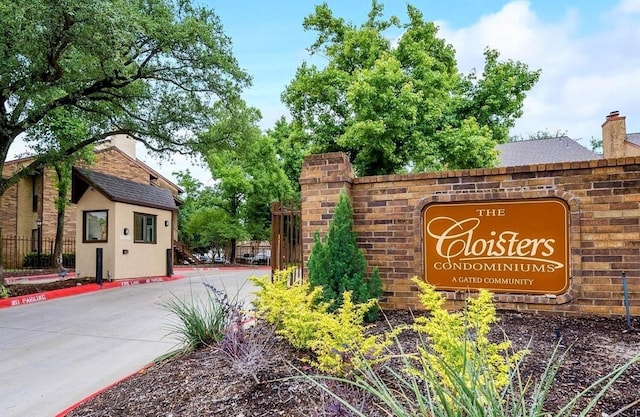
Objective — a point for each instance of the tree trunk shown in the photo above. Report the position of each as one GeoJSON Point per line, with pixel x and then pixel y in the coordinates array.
{"type": "Point", "coordinates": [5, 143]}
{"type": "Point", "coordinates": [58, 245]}
{"type": "Point", "coordinates": [232, 258]}
{"type": "Point", "coordinates": [60, 206]}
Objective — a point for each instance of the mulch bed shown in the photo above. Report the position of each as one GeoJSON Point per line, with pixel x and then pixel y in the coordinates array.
{"type": "Point", "coordinates": [26, 288]}
{"type": "Point", "coordinates": [211, 383]}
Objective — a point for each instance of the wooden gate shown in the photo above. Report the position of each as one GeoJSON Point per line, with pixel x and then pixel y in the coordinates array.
{"type": "Point", "coordinates": [286, 238]}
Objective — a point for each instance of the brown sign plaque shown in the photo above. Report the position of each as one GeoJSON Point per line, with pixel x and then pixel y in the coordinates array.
{"type": "Point", "coordinates": [502, 246]}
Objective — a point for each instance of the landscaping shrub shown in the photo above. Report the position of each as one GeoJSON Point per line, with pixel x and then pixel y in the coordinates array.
{"type": "Point", "coordinates": [31, 260]}
{"type": "Point", "coordinates": [459, 355]}
{"type": "Point", "coordinates": [338, 265]}
{"type": "Point", "coordinates": [291, 306]}
{"type": "Point", "coordinates": [69, 260]}
{"type": "Point", "coordinates": [338, 339]}
{"type": "Point", "coordinates": [460, 340]}
{"type": "Point", "coordinates": [204, 322]}
{"type": "Point", "coordinates": [454, 371]}
{"type": "Point", "coordinates": [46, 260]}
{"type": "Point", "coordinates": [457, 372]}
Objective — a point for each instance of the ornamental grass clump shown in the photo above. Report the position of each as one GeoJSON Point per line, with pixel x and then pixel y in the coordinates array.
{"type": "Point", "coordinates": [202, 322]}
{"type": "Point", "coordinates": [456, 371]}
{"type": "Point", "coordinates": [247, 348]}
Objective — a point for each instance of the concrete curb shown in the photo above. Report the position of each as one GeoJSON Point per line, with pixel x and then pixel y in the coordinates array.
{"type": "Point", "coordinates": [81, 289]}
{"type": "Point", "coordinates": [29, 278]}
{"type": "Point", "coordinates": [142, 370]}
{"type": "Point", "coordinates": [65, 292]}
{"type": "Point", "coordinates": [72, 407]}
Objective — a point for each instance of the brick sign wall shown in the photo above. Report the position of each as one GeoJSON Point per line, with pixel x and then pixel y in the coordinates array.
{"type": "Point", "coordinates": [601, 240]}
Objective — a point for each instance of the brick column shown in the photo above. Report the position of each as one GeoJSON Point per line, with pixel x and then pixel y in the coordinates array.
{"type": "Point", "coordinates": [322, 178]}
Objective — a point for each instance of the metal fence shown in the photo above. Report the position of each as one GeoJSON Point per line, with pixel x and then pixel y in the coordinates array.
{"type": "Point", "coordinates": [21, 253]}
{"type": "Point", "coordinates": [286, 238]}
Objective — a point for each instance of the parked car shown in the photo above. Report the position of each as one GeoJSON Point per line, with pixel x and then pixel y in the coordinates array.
{"type": "Point", "coordinates": [218, 259]}
{"type": "Point", "coordinates": [245, 259]}
{"type": "Point", "coordinates": [261, 259]}
{"type": "Point", "coordinates": [203, 258]}
{"type": "Point", "coordinates": [188, 261]}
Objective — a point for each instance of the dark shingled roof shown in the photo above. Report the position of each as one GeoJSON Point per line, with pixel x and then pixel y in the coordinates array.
{"type": "Point", "coordinates": [121, 190]}
{"type": "Point", "coordinates": [543, 151]}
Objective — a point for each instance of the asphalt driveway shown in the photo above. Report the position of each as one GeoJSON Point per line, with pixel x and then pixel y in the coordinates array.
{"type": "Point", "coordinates": [56, 353]}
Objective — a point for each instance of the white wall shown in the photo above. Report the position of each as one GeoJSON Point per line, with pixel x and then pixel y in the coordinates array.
{"type": "Point", "coordinates": [86, 251]}
{"type": "Point", "coordinates": [141, 260]}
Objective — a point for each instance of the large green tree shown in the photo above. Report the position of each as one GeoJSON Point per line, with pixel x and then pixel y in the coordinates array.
{"type": "Point", "coordinates": [203, 225]}
{"type": "Point", "coordinates": [247, 178]}
{"type": "Point", "coordinates": [291, 146]}
{"type": "Point", "coordinates": [400, 104]}
{"type": "Point", "coordinates": [147, 68]}
{"type": "Point", "coordinates": [62, 127]}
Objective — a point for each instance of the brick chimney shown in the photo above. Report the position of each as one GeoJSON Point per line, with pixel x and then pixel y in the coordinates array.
{"type": "Point", "coordinates": [123, 142]}
{"type": "Point", "coordinates": [614, 135]}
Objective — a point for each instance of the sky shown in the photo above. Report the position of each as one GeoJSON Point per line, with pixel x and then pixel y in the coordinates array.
{"type": "Point", "coordinates": [588, 51]}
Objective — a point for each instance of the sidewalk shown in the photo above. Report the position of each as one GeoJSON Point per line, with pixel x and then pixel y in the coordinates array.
{"type": "Point", "coordinates": [65, 292]}
{"type": "Point", "coordinates": [37, 278]}
{"type": "Point", "coordinates": [81, 289]}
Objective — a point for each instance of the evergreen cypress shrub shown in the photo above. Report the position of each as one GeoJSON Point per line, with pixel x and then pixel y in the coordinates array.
{"type": "Point", "coordinates": [338, 265]}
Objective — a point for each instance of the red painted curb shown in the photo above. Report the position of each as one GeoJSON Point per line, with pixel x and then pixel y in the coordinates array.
{"type": "Point", "coordinates": [80, 289]}
{"type": "Point", "coordinates": [95, 394]}
{"type": "Point", "coordinates": [72, 407]}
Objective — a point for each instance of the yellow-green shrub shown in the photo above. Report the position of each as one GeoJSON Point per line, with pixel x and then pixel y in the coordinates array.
{"type": "Point", "coordinates": [342, 344]}
{"type": "Point", "coordinates": [338, 339]}
{"type": "Point", "coordinates": [291, 307]}
{"type": "Point", "coordinates": [459, 342]}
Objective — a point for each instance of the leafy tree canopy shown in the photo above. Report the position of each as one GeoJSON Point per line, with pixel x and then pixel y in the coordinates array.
{"type": "Point", "coordinates": [147, 68]}
{"type": "Point", "coordinates": [205, 223]}
{"type": "Point", "coordinates": [247, 176]}
{"type": "Point", "coordinates": [291, 146]}
{"type": "Point", "coordinates": [400, 104]}
{"type": "Point", "coordinates": [61, 128]}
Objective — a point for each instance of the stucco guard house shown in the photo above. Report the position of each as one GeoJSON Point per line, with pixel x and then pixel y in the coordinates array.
{"type": "Point", "coordinates": [32, 199]}
{"type": "Point", "coordinates": [124, 227]}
